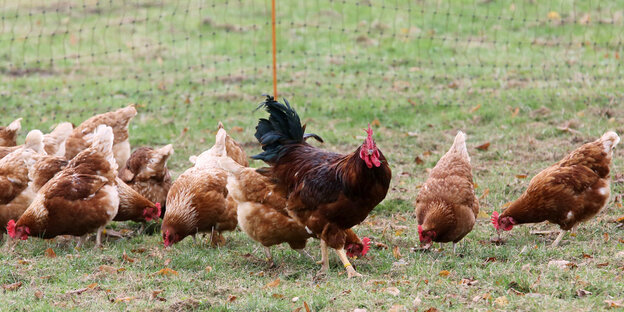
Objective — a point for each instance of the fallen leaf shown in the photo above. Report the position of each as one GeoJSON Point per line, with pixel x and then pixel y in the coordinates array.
{"type": "Point", "coordinates": [521, 176]}
{"type": "Point", "coordinates": [231, 298]}
{"type": "Point", "coordinates": [412, 134]}
{"type": "Point", "coordinates": [50, 253]}
{"type": "Point", "coordinates": [582, 293]}
{"type": "Point", "coordinates": [307, 308]}
{"type": "Point", "coordinates": [38, 294]}
{"type": "Point", "coordinates": [167, 261]}
{"type": "Point", "coordinates": [124, 299]}
{"type": "Point", "coordinates": [483, 215]}
{"type": "Point", "coordinates": [614, 303]}
{"type": "Point", "coordinates": [485, 193]}
{"type": "Point", "coordinates": [501, 301]}
{"type": "Point", "coordinates": [237, 129]}
{"type": "Point", "coordinates": [396, 252]}
{"type": "Point", "coordinates": [490, 259]}
{"type": "Point", "coordinates": [602, 265]}
{"type": "Point", "coordinates": [484, 146]}
{"type": "Point", "coordinates": [125, 257]}
{"type": "Point", "coordinates": [476, 108]}
{"type": "Point", "coordinates": [166, 272]}
{"type": "Point", "coordinates": [468, 282]}
{"type": "Point", "coordinates": [419, 160]}
{"type": "Point", "coordinates": [277, 296]}
{"type": "Point", "coordinates": [427, 153]}
{"type": "Point", "coordinates": [376, 123]}
{"type": "Point", "coordinates": [155, 293]}
{"type": "Point", "coordinates": [107, 269]}
{"type": "Point", "coordinates": [23, 262]}
{"type": "Point", "coordinates": [272, 284]}
{"type": "Point", "coordinates": [139, 250]}
{"type": "Point", "coordinates": [444, 273]}
{"type": "Point", "coordinates": [208, 269]}
{"type": "Point", "coordinates": [562, 264]}
{"type": "Point", "coordinates": [393, 291]}
{"type": "Point", "coordinates": [432, 309]}
{"type": "Point", "coordinates": [12, 287]}
{"type": "Point", "coordinates": [586, 256]}
{"type": "Point", "coordinates": [606, 238]}
{"type": "Point", "coordinates": [515, 112]}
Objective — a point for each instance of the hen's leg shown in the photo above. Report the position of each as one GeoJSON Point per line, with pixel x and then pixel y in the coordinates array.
{"type": "Point", "coordinates": [558, 239]}
{"type": "Point", "coordinates": [98, 238]}
{"type": "Point", "coordinates": [267, 253]}
{"type": "Point", "coordinates": [324, 257]}
{"type": "Point", "coordinates": [345, 261]}
{"type": "Point", "coordinates": [454, 248]}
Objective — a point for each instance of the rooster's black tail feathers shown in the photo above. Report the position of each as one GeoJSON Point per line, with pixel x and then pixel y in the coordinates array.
{"type": "Point", "coordinates": [282, 128]}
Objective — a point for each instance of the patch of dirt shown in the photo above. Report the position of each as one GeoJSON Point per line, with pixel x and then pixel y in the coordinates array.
{"type": "Point", "coordinates": [27, 71]}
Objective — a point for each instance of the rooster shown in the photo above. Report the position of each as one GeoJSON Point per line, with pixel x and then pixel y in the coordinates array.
{"type": "Point", "coordinates": [327, 192]}
{"type": "Point", "coordinates": [566, 193]}
{"type": "Point", "coordinates": [198, 200]}
{"type": "Point", "coordinates": [147, 173]}
{"type": "Point", "coordinates": [80, 199]}
{"type": "Point", "coordinates": [446, 205]}
{"type": "Point", "coordinates": [8, 134]}
{"type": "Point", "coordinates": [117, 120]}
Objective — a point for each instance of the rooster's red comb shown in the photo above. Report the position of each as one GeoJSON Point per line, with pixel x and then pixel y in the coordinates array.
{"type": "Point", "coordinates": [365, 245]}
{"type": "Point", "coordinates": [11, 228]}
{"type": "Point", "coordinates": [495, 219]}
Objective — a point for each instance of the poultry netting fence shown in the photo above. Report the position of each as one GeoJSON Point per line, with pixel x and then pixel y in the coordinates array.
{"type": "Point", "coordinates": [194, 62]}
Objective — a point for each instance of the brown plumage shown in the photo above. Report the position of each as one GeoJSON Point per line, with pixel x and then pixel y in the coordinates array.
{"type": "Point", "coordinates": [39, 173]}
{"type": "Point", "coordinates": [117, 120]}
{"type": "Point", "coordinates": [54, 142]}
{"type": "Point", "coordinates": [446, 206]}
{"type": "Point", "coordinates": [198, 200]}
{"type": "Point", "coordinates": [327, 192]}
{"type": "Point", "coordinates": [133, 206]}
{"type": "Point", "coordinates": [80, 199]}
{"type": "Point", "coordinates": [8, 134]}
{"type": "Point", "coordinates": [261, 208]}
{"type": "Point", "coordinates": [14, 167]}
{"type": "Point", "coordinates": [147, 173]}
{"type": "Point", "coordinates": [571, 191]}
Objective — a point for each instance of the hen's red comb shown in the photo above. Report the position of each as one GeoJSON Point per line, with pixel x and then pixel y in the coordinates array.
{"type": "Point", "coordinates": [495, 219]}
{"type": "Point", "coordinates": [158, 210]}
{"type": "Point", "coordinates": [420, 230]}
{"type": "Point", "coordinates": [365, 245]}
{"type": "Point", "coordinates": [11, 228]}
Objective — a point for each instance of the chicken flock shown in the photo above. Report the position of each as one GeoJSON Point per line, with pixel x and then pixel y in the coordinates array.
{"type": "Point", "coordinates": [75, 181]}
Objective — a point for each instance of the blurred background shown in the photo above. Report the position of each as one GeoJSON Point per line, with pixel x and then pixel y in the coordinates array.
{"type": "Point", "coordinates": [188, 64]}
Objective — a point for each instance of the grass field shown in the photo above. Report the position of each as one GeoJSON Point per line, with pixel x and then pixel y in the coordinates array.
{"type": "Point", "coordinates": [533, 80]}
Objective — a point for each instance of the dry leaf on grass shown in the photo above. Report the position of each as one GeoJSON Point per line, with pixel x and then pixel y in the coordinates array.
{"type": "Point", "coordinates": [125, 257]}
{"type": "Point", "coordinates": [521, 176]}
{"type": "Point", "coordinates": [12, 287]}
{"type": "Point", "coordinates": [107, 269]}
{"type": "Point", "coordinates": [208, 269]}
{"type": "Point", "coordinates": [124, 299]}
{"type": "Point", "coordinates": [50, 253]}
{"type": "Point", "coordinates": [231, 298]}
{"type": "Point", "coordinates": [166, 272]}
{"type": "Point", "coordinates": [485, 193]}
{"type": "Point", "coordinates": [273, 284]}
{"type": "Point", "coordinates": [419, 160]}
{"type": "Point", "coordinates": [582, 293]}
{"type": "Point", "coordinates": [307, 308]}
{"type": "Point", "coordinates": [615, 303]}
{"type": "Point", "coordinates": [501, 301]}
{"type": "Point", "coordinates": [484, 147]}
{"type": "Point", "coordinates": [38, 294]}
{"type": "Point", "coordinates": [396, 252]}
{"type": "Point", "coordinates": [432, 309]}
{"type": "Point", "coordinates": [444, 273]}
{"type": "Point", "coordinates": [562, 264]}
{"type": "Point", "coordinates": [476, 108]}
{"type": "Point", "coordinates": [277, 296]}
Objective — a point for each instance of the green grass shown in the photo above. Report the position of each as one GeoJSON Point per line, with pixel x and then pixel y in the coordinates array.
{"type": "Point", "coordinates": [428, 68]}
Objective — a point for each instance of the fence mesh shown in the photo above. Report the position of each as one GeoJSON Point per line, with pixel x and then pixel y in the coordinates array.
{"type": "Point", "coordinates": [187, 64]}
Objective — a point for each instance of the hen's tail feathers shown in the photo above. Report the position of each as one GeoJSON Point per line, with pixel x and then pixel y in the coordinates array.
{"type": "Point", "coordinates": [228, 164]}
{"type": "Point", "coordinates": [34, 141]}
{"type": "Point", "coordinates": [166, 150]}
{"type": "Point", "coordinates": [101, 140]}
{"type": "Point", "coordinates": [127, 112]}
{"type": "Point", "coordinates": [459, 145]}
{"type": "Point", "coordinates": [219, 146]}
{"type": "Point", "coordinates": [54, 141]}
{"type": "Point", "coordinates": [15, 126]}
{"type": "Point", "coordinates": [609, 140]}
